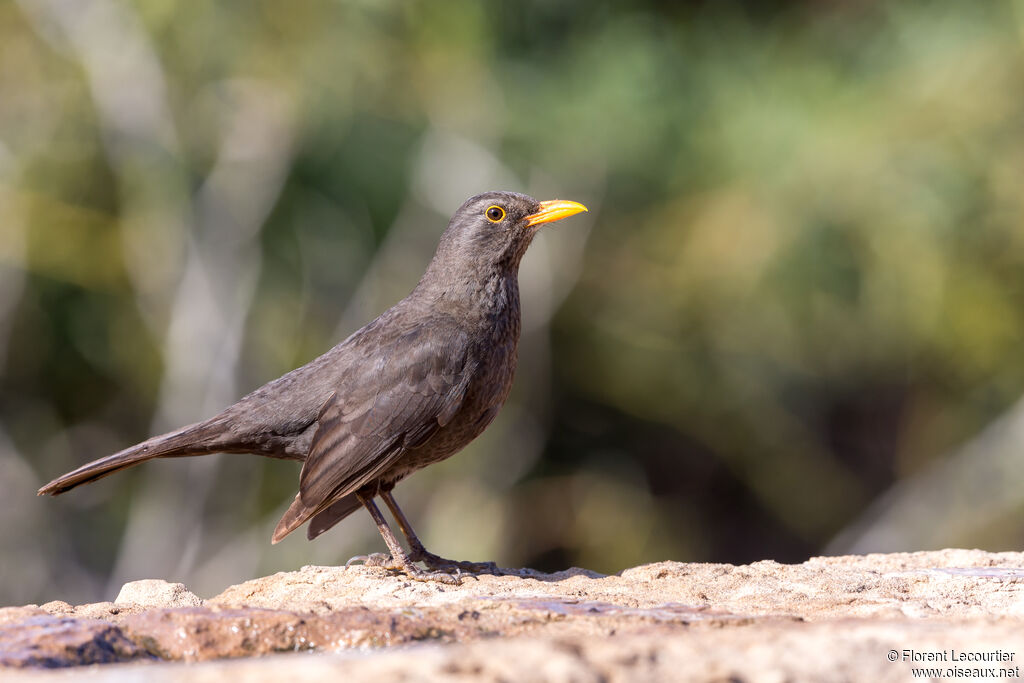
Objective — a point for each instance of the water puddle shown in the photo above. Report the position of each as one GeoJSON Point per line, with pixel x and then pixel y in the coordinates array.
{"type": "Point", "coordinates": [667, 612]}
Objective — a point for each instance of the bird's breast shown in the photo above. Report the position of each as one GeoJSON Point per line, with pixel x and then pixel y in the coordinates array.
{"type": "Point", "coordinates": [488, 387]}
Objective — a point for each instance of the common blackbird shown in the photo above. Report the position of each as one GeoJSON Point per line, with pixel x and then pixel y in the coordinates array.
{"type": "Point", "coordinates": [409, 389]}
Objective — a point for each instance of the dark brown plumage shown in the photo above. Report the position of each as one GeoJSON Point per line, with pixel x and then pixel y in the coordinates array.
{"type": "Point", "coordinates": [411, 388]}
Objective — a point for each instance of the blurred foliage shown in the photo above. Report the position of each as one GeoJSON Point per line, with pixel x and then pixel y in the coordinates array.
{"type": "Point", "coordinates": [802, 282]}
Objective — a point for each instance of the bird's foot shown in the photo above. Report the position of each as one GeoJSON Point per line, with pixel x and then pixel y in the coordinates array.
{"type": "Point", "coordinates": [433, 561]}
{"type": "Point", "coordinates": [406, 566]}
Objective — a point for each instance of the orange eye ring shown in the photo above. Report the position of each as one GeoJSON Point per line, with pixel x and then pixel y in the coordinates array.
{"type": "Point", "coordinates": [495, 213]}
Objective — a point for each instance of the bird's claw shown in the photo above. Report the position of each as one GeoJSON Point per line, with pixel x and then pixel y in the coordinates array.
{"type": "Point", "coordinates": [385, 561]}
{"type": "Point", "coordinates": [417, 574]}
{"type": "Point", "coordinates": [454, 566]}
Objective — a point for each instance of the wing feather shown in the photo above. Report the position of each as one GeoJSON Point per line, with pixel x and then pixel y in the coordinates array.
{"type": "Point", "coordinates": [417, 387]}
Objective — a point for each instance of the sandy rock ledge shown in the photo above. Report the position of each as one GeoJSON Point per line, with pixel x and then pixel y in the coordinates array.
{"type": "Point", "coordinates": [859, 618]}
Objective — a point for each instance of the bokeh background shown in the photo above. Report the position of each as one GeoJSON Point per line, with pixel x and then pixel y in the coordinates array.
{"type": "Point", "coordinates": [791, 324]}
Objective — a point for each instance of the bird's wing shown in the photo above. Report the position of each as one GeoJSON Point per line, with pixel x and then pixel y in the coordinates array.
{"type": "Point", "coordinates": [394, 399]}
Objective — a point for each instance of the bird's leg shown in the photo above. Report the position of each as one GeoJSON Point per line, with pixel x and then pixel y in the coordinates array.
{"type": "Point", "coordinates": [399, 559]}
{"type": "Point", "coordinates": [420, 554]}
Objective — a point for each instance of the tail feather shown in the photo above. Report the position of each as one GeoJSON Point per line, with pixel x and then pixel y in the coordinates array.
{"type": "Point", "coordinates": [334, 513]}
{"type": "Point", "coordinates": [197, 439]}
{"type": "Point", "coordinates": [322, 520]}
{"type": "Point", "coordinates": [294, 516]}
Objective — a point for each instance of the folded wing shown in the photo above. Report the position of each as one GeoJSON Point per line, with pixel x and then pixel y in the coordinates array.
{"type": "Point", "coordinates": [410, 386]}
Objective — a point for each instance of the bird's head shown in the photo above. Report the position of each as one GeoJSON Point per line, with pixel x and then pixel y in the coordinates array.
{"type": "Point", "coordinates": [491, 231]}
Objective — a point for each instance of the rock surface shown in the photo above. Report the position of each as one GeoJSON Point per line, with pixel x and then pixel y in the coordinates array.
{"type": "Point", "coordinates": [156, 593]}
{"type": "Point", "coordinates": [829, 619]}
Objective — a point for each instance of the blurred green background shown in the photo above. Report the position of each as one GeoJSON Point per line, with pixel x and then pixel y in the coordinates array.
{"type": "Point", "coordinates": [792, 323]}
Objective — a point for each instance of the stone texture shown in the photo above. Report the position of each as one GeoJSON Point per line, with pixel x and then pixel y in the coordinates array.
{"type": "Point", "coordinates": [46, 641]}
{"type": "Point", "coordinates": [826, 619]}
{"type": "Point", "coordinates": [156, 593]}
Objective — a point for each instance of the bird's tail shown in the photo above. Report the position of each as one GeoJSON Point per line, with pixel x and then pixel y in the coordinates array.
{"type": "Point", "coordinates": [196, 439]}
{"type": "Point", "coordinates": [334, 513]}
{"type": "Point", "coordinates": [322, 520]}
{"type": "Point", "coordinates": [297, 513]}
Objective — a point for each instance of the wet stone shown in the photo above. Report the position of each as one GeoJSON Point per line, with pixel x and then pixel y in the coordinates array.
{"type": "Point", "coordinates": [50, 642]}
{"type": "Point", "coordinates": [198, 634]}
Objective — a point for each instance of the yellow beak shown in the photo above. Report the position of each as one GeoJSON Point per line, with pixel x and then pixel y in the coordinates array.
{"type": "Point", "coordinates": [554, 210]}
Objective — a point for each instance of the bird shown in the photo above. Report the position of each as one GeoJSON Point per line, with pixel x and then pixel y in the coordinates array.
{"type": "Point", "coordinates": [409, 389]}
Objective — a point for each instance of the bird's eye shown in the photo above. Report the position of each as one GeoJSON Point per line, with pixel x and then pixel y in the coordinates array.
{"type": "Point", "coordinates": [494, 213]}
